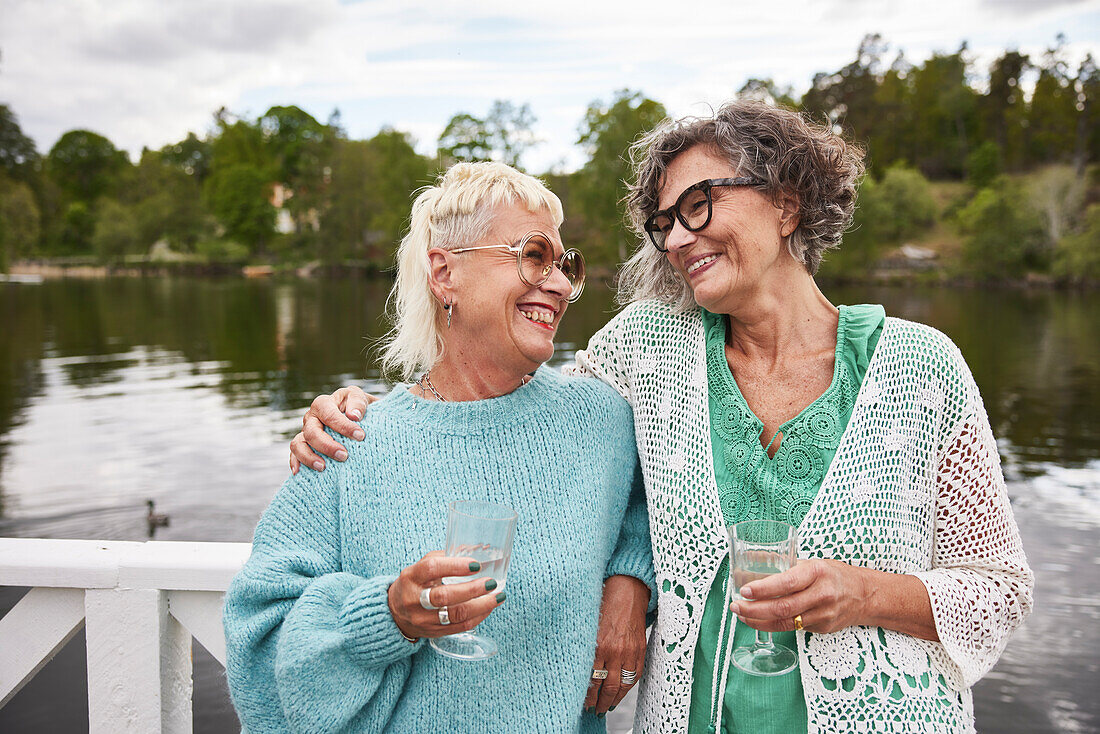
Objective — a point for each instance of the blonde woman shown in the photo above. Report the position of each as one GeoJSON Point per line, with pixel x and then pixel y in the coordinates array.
{"type": "Point", "coordinates": [327, 622]}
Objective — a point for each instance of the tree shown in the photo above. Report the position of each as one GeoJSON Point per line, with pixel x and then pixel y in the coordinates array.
{"type": "Point", "coordinates": [191, 155]}
{"type": "Point", "coordinates": [466, 138]}
{"type": "Point", "coordinates": [891, 138]}
{"type": "Point", "coordinates": [370, 196]}
{"type": "Point", "coordinates": [237, 141]}
{"type": "Point", "coordinates": [166, 200]}
{"type": "Point", "coordinates": [847, 97]}
{"type": "Point", "coordinates": [606, 134]}
{"type": "Point", "coordinates": [1087, 137]}
{"type": "Point", "coordinates": [17, 152]}
{"type": "Point", "coordinates": [238, 196]}
{"type": "Point", "coordinates": [1004, 109]}
{"type": "Point", "coordinates": [1003, 236]}
{"type": "Point", "coordinates": [116, 232]}
{"type": "Point", "coordinates": [20, 224]}
{"type": "Point", "coordinates": [301, 149]}
{"type": "Point", "coordinates": [944, 115]}
{"type": "Point", "coordinates": [504, 135]}
{"type": "Point", "coordinates": [86, 165]}
{"type": "Point", "coordinates": [1052, 119]}
{"type": "Point", "coordinates": [766, 90]}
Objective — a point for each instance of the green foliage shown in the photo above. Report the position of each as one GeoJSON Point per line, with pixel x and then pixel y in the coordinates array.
{"type": "Point", "coordinates": [944, 115]}
{"type": "Point", "coordinates": [238, 142]}
{"type": "Point", "coordinates": [77, 227]}
{"type": "Point", "coordinates": [1053, 114]}
{"type": "Point", "coordinates": [1077, 255]}
{"type": "Point", "coordinates": [222, 251]}
{"type": "Point", "coordinates": [606, 134]}
{"type": "Point", "coordinates": [20, 222]}
{"type": "Point", "coordinates": [465, 138]}
{"type": "Point", "coordinates": [237, 195]}
{"type": "Point", "coordinates": [905, 197]}
{"type": "Point", "coordinates": [888, 213]}
{"type": "Point", "coordinates": [1003, 235]}
{"type": "Point", "coordinates": [1004, 112]}
{"type": "Point", "coordinates": [86, 165]}
{"type": "Point", "coordinates": [117, 232]}
{"type": "Point", "coordinates": [369, 197]}
{"type": "Point", "coordinates": [191, 155]}
{"type": "Point", "coordinates": [503, 135]}
{"type": "Point", "coordinates": [983, 164]}
{"type": "Point", "coordinates": [17, 152]}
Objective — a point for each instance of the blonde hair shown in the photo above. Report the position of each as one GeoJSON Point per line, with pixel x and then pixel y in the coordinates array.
{"type": "Point", "coordinates": [456, 212]}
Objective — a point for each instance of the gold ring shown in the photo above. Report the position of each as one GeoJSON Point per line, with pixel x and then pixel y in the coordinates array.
{"type": "Point", "coordinates": [798, 621]}
{"type": "Point", "coordinates": [598, 674]}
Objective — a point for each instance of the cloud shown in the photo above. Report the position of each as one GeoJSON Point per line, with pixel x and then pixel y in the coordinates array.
{"type": "Point", "coordinates": [145, 72]}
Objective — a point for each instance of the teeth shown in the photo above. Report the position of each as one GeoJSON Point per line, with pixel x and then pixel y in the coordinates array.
{"type": "Point", "coordinates": [539, 316]}
{"type": "Point", "coordinates": [700, 263]}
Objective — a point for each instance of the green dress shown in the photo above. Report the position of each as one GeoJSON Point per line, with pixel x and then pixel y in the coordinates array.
{"type": "Point", "coordinates": [752, 486]}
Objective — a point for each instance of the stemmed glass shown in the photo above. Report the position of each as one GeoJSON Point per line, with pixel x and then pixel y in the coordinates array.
{"type": "Point", "coordinates": [758, 549]}
{"type": "Point", "coordinates": [482, 531]}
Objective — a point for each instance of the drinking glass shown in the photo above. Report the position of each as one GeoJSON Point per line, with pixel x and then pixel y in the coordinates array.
{"type": "Point", "coordinates": [758, 549]}
{"type": "Point", "coordinates": [482, 531]}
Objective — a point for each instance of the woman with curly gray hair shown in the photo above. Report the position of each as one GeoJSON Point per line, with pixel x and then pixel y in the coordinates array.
{"type": "Point", "coordinates": [755, 398]}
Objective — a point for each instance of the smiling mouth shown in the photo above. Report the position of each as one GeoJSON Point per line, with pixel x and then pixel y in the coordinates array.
{"type": "Point", "coordinates": [700, 263]}
{"type": "Point", "coordinates": [542, 318]}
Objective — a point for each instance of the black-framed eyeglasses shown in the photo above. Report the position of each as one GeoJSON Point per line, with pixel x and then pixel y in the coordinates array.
{"type": "Point", "coordinates": [535, 261]}
{"type": "Point", "coordinates": [694, 209]}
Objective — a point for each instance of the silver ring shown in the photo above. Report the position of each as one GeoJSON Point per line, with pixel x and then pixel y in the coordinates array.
{"type": "Point", "coordinates": [627, 676]}
{"type": "Point", "coordinates": [599, 674]}
{"type": "Point", "coordinates": [444, 616]}
{"type": "Point", "coordinates": [426, 599]}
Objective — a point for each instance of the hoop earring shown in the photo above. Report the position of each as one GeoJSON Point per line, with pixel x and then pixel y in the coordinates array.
{"type": "Point", "coordinates": [449, 306]}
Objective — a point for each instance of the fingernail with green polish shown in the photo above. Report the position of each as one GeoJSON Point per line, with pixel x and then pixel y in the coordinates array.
{"type": "Point", "coordinates": [610, 708]}
{"type": "Point", "coordinates": [490, 584]}
{"type": "Point", "coordinates": [601, 715]}
{"type": "Point", "coordinates": [501, 597]}
{"type": "Point", "coordinates": [475, 566]}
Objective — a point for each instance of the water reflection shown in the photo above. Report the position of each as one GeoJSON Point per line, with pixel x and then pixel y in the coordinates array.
{"type": "Point", "coordinates": [185, 391]}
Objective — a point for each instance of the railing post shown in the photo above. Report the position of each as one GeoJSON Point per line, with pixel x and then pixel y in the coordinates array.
{"type": "Point", "coordinates": [132, 688]}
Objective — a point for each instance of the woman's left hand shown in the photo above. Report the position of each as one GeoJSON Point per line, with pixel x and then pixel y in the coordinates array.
{"type": "Point", "coordinates": [830, 595]}
{"type": "Point", "coordinates": [620, 642]}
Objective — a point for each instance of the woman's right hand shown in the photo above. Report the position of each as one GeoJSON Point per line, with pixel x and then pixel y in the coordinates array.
{"type": "Point", "coordinates": [338, 411]}
{"type": "Point", "coordinates": [468, 604]}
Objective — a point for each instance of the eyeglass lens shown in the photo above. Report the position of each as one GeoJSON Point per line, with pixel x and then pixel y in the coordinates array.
{"type": "Point", "coordinates": [537, 262]}
{"type": "Point", "coordinates": [693, 208]}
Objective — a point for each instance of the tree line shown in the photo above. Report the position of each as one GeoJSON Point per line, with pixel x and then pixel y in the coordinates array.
{"type": "Point", "coordinates": [1020, 139]}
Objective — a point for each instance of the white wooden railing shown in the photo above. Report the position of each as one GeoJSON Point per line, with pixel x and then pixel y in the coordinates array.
{"type": "Point", "coordinates": [140, 603]}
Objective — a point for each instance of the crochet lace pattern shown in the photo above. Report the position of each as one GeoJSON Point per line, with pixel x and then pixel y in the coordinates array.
{"type": "Point", "coordinates": [915, 487]}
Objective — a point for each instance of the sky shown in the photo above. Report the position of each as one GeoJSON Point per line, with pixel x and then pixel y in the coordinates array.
{"type": "Point", "coordinates": [146, 72]}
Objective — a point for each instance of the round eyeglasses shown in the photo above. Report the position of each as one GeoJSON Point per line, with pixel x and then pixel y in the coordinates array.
{"type": "Point", "coordinates": [535, 262]}
{"type": "Point", "coordinates": [693, 209]}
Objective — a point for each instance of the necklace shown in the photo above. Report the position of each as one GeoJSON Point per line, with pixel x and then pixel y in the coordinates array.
{"type": "Point", "coordinates": [426, 386]}
{"type": "Point", "coordinates": [425, 382]}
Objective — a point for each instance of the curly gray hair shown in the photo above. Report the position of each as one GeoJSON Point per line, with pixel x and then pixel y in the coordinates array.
{"type": "Point", "coordinates": [794, 157]}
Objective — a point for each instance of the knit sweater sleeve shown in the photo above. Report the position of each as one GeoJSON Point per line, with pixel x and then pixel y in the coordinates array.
{"type": "Point", "coordinates": [980, 584]}
{"type": "Point", "coordinates": [310, 648]}
{"type": "Point", "coordinates": [633, 555]}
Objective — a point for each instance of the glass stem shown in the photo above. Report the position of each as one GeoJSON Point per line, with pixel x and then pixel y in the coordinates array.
{"type": "Point", "coordinates": [763, 639]}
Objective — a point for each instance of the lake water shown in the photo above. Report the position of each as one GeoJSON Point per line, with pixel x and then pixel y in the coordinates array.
{"type": "Point", "coordinates": [186, 391]}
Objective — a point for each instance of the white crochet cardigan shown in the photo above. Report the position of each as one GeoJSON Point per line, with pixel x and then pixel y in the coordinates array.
{"type": "Point", "coordinates": [915, 487]}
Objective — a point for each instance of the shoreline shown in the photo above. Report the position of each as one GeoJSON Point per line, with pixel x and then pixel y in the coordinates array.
{"type": "Point", "coordinates": [35, 271]}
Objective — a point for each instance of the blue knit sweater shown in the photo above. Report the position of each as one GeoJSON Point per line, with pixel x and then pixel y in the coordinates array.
{"type": "Point", "coordinates": [311, 644]}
